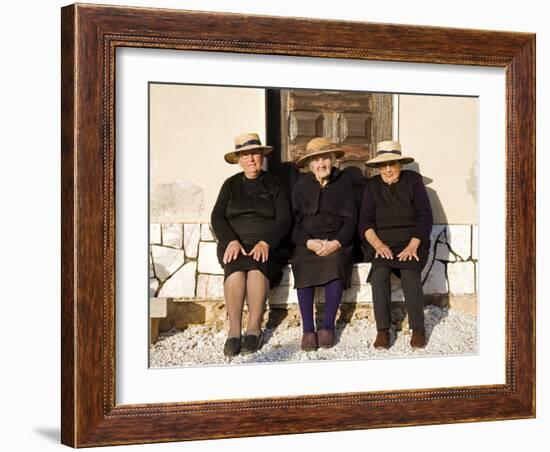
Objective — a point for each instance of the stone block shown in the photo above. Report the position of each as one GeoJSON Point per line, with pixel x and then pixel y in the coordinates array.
{"type": "Point", "coordinates": [358, 293]}
{"type": "Point", "coordinates": [166, 260]}
{"type": "Point", "coordinates": [210, 287]}
{"type": "Point", "coordinates": [208, 259]}
{"type": "Point", "coordinates": [283, 295]}
{"type": "Point", "coordinates": [154, 234]}
{"type": "Point", "coordinates": [438, 233]}
{"type": "Point", "coordinates": [288, 277]}
{"type": "Point", "coordinates": [475, 242]}
{"type": "Point", "coordinates": [154, 329]}
{"type": "Point", "coordinates": [182, 314]}
{"type": "Point", "coordinates": [153, 286]}
{"type": "Point", "coordinates": [461, 277]}
{"type": "Point", "coordinates": [459, 239]}
{"type": "Point", "coordinates": [395, 287]}
{"type": "Point", "coordinates": [151, 267]}
{"type": "Point", "coordinates": [191, 236]}
{"type": "Point", "coordinates": [436, 281]}
{"type": "Point", "coordinates": [202, 282]}
{"type": "Point", "coordinates": [157, 307]}
{"type": "Point", "coordinates": [319, 295]}
{"type": "Point", "coordinates": [397, 294]}
{"type": "Point", "coordinates": [464, 303]}
{"type": "Point", "coordinates": [182, 283]}
{"type": "Point", "coordinates": [443, 253]}
{"type": "Point", "coordinates": [359, 273]}
{"type": "Point", "coordinates": [214, 288]}
{"type": "Point", "coordinates": [206, 233]}
{"type": "Point", "coordinates": [172, 235]}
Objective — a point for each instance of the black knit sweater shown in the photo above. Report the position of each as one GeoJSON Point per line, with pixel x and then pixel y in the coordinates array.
{"type": "Point", "coordinates": [250, 210]}
{"type": "Point", "coordinates": [397, 212]}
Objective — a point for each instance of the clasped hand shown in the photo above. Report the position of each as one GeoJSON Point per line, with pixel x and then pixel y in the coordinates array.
{"type": "Point", "coordinates": [323, 247]}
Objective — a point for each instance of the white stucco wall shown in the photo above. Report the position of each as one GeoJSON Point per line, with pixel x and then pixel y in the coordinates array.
{"type": "Point", "coordinates": [191, 128]}
{"type": "Point", "coordinates": [440, 132]}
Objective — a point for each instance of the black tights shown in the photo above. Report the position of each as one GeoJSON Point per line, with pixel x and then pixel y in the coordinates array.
{"type": "Point", "coordinates": [381, 297]}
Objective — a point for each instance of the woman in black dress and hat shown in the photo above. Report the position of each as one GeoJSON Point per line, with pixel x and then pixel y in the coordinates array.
{"type": "Point", "coordinates": [396, 221]}
{"type": "Point", "coordinates": [325, 225]}
{"type": "Point", "coordinates": [251, 219]}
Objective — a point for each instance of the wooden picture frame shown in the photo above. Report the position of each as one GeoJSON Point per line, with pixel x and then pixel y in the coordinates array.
{"type": "Point", "coordinates": [90, 36]}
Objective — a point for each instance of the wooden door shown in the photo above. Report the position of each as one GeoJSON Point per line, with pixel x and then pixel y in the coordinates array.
{"type": "Point", "coordinates": [355, 120]}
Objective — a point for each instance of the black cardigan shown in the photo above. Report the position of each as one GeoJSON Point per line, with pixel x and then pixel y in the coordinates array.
{"type": "Point", "coordinates": [327, 212]}
{"type": "Point", "coordinates": [264, 215]}
{"type": "Point", "coordinates": [397, 212]}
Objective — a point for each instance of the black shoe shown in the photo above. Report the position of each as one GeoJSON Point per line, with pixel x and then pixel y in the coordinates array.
{"type": "Point", "coordinates": [232, 346]}
{"type": "Point", "coordinates": [251, 343]}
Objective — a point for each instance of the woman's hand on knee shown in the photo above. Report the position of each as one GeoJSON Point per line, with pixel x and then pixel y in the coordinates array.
{"type": "Point", "coordinates": [232, 251]}
{"type": "Point", "coordinates": [383, 250]}
{"type": "Point", "coordinates": [410, 251]}
{"type": "Point", "coordinates": [260, 252]}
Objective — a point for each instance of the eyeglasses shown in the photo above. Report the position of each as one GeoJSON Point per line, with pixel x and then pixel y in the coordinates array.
{"type": "Point", "coordinates": [387, 164]}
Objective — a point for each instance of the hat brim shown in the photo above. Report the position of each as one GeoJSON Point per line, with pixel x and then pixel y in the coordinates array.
{"type": "Point", "coordinates": [338, 152]}
{"type": "Point", "coordinates": [374, 162]}
{"type": "Point", "coordinates": [233, 156]}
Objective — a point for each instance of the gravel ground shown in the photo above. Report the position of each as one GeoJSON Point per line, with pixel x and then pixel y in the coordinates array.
{"type": "Point", "coordinates": [449, 332]}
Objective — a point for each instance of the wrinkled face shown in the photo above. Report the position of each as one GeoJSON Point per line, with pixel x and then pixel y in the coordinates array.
{"type": "Point", "coordinates": [321, 165]}
{"type": "Point", "coordinates": [251, 162]}
{"type": "Point", "coordinates": [390, 171]}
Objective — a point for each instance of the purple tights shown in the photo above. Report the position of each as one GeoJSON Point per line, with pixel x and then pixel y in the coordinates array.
{"type": "Point", "coordinates": [333, 295]}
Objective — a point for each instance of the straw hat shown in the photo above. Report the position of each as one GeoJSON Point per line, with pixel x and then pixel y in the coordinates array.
{"type": "Point", "coordinates": [388, 151]}
{"type": "Point", "coordinates": [319, 146]}
{"type": "Point", "coordinates": [246, 142]}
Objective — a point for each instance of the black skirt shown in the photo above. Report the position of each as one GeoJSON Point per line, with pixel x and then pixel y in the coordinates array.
{"type": "Point", "coordinates": [272, 269]}
{"type": "Point", "coordinates": [396, 265]}
{"type": "Point", "coordinates": [312, 270]}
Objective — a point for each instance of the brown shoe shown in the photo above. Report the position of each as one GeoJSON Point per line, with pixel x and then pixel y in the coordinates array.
{"type": "Point", "coordinates": [382, 339]}
{"type": "Point", "coordinates": [418, 339]}
{"type": "Point", "coordinates": [326, 338]}
{"type": "Point", "coordinates": [309, 342]}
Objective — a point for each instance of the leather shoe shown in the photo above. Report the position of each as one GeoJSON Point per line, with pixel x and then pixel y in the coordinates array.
{"type": "Point", "coordinates": [309, 342]}
{"type": "Point", "coordinates": [232, 346]}
{"type": "Point", "coordinates": [418, 339]}
{"type": "Point", "coordinates": [382, 340]}
{"type": "Point", "coordinates": [325, 338]}
{"type": "Point", "coordinates": [252, 343]}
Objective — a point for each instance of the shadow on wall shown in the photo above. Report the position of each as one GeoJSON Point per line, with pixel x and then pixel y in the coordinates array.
{"type": "Point", "coordinates": [437, 207]}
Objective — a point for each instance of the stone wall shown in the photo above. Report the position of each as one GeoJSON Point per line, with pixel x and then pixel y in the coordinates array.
{"type": "Point", "coordinates": [183, 266]}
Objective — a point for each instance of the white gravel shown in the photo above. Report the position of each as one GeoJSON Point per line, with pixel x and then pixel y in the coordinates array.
{"type": "Point", "coordinates": [449, 332]}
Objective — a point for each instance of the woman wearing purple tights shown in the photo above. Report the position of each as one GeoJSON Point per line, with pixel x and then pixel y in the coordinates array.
{"type": "Point", "coordinates": [325, 223]}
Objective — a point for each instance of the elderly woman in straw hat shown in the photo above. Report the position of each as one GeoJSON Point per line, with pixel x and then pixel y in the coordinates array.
{"type": "Point", "coordinates": [396, 221]}
{"type": "Point", "coordinates": [251, 219]}
{"type": "Point", "coordinates": [325, 226]}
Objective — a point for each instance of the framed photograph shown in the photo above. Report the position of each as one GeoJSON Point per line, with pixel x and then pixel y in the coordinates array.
{"type": "Point", "coordinates": [151, 101]}
{"type": "Point", "coordinates": [186, 278]}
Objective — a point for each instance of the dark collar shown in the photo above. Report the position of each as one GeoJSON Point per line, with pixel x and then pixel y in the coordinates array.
{"type": "Point", "coordinates": [262, 172]}
{"type": "Point", "coordinates": [335, 173]}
